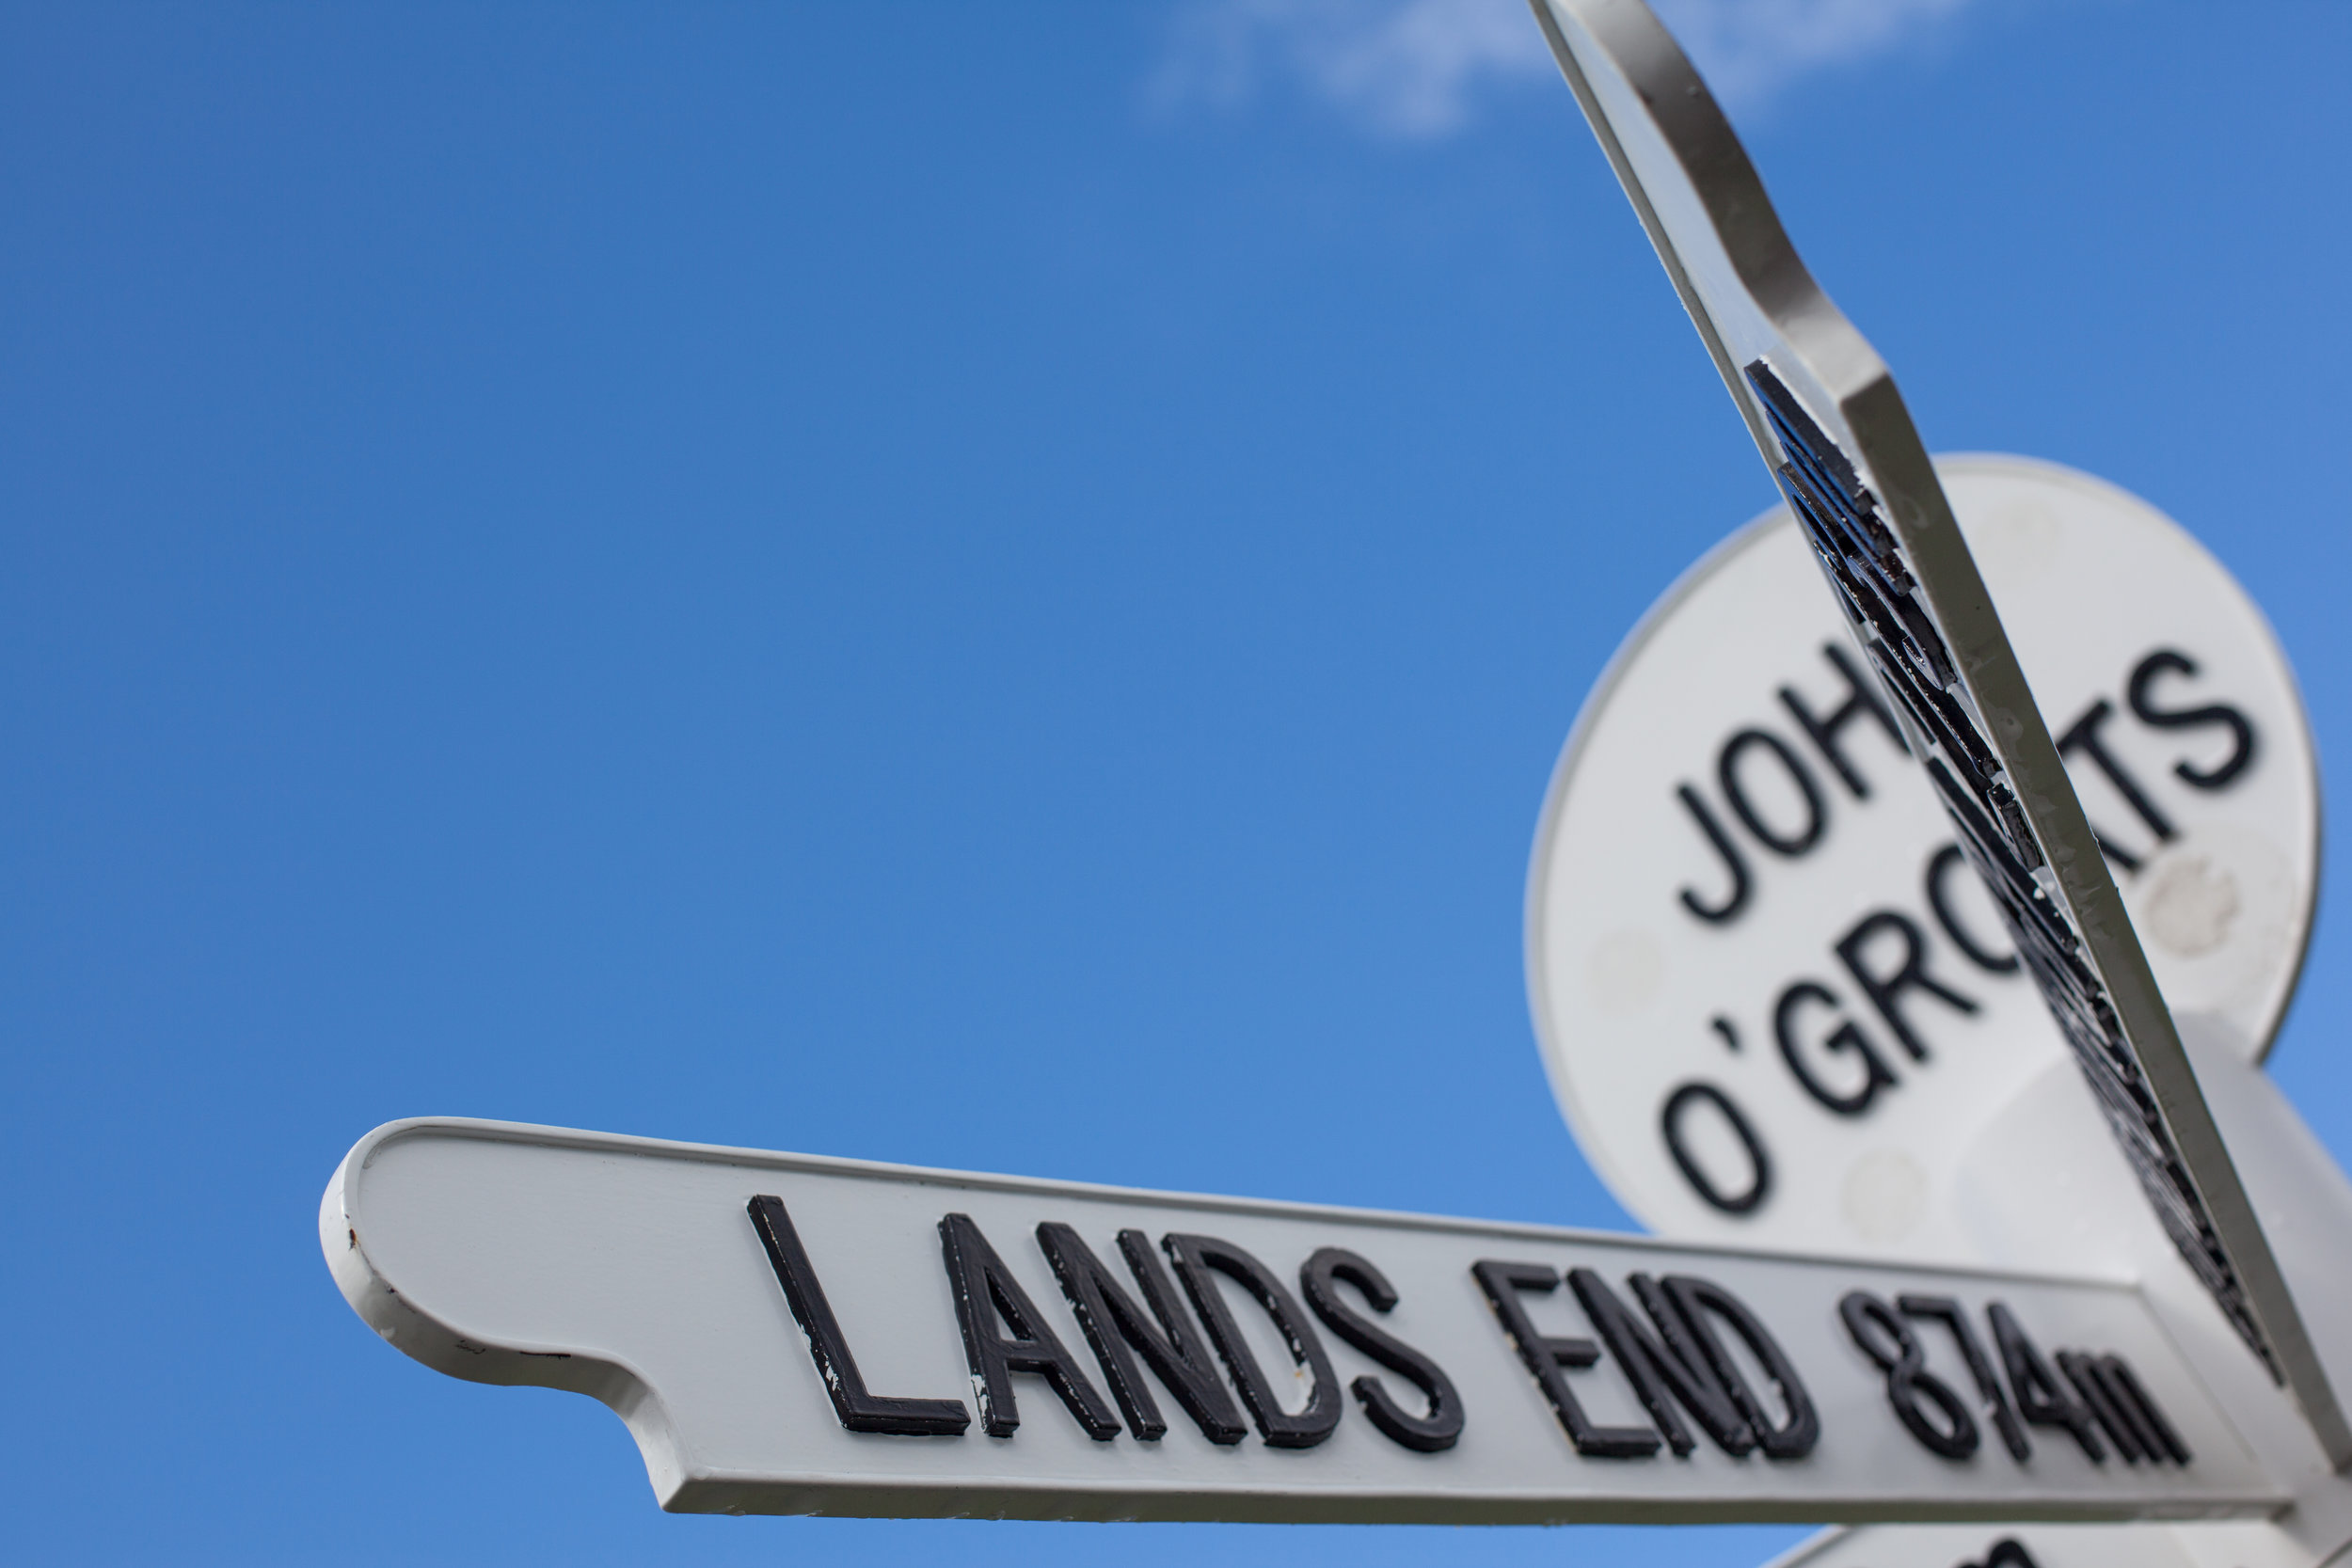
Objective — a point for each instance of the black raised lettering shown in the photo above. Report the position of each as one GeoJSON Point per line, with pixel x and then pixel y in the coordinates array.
{"type": "Point", "coordinates": [1544, 1355]}
{"type": "Point", "coordinates": [1885, 987]}
{"type": "Point", "coordinates": [985, 1290]}
{"type": "Point", "coordinates": [858, 1410]}
{"type": "Point", "coordinates": [1888, 1342]}
{"type": "Point", "coordinates": [2008, 1552]}
{"type": "Point", "coordinates": [2122, 1407]}
{"type": "Point", "coordinates": [2084, 736]}
{"type": "Point", "coordinates": [1943, 1309]}
{"type": "Point", "coordinates": [2125, 1389]}
{"type": "Point", "coordinates": [1701, 1304]}
{"type": "Point", "coordinates": [1742, 886]}
{"type": "Point", "coordinates": [1116, 1329]}
{"type": "Point", "coordinates": [1940, 866]}
{"type": "Point", "coordinates": [1816, 809]}
{"type": "Point", "coordinates": [2142, 697]}
{"type": "Point", "coordinates": [2116, 1422]}
{"type": "Point", "coordinates": [1662, 1369]}
{"type": "Point", "coordinates": [1199, 1259]}
{"type": "Point", "coordinates": [1678, 1105]}
{"type": "Point", "coordinates": [1437, 1428]}
{"type": "Point", "coordinates": [1847, 1039]}
{"type": "Point", "coordinates": [1862, 700]}
{"type": "Point", "coordinates": [2040, 1398]}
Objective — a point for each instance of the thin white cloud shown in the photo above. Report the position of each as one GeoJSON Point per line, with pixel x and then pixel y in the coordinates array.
{"type": "Point", "coordinates": [1749, 50]}
{"type": "Point", "coordinates": [1416, 69]}
{"type": "Point", "coordinates": [1406, 68]}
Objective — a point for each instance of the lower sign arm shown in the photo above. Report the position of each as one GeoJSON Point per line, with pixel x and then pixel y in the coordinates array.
{"type": "Point", "coordinates": [742, 1311]}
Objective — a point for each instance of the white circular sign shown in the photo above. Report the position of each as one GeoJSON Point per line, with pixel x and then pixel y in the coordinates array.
{"type": "Point", "coordinates": [1775, 1002]}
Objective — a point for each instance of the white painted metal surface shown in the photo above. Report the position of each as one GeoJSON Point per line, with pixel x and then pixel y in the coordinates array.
{"type": "Point", "coordinates": [630, 1270]}
{"type": "Point", "coordinates": [1669, 940]}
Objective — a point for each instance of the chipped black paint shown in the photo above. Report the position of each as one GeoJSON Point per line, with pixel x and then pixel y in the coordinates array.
{"type": "Point", "coordinates": [1875, 587]}
{"type": "Point", "coordinates": [1439, 1426]}
{"type": "Point", "coordinates": [859, 1410]}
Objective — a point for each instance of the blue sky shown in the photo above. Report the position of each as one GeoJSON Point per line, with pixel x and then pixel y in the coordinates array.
{"type": "Point", "coordinates": [992, 587]}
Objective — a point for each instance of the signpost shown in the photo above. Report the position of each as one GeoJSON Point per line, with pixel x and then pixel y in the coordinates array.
{"type": "Point", "coordinates": [1752, 939]}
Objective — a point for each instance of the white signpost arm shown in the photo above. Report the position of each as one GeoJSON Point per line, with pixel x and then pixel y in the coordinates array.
{"type": "Point", "coordinates": [790, 1335]}
{"type": "Point", "coordinates": [1826, 416]}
